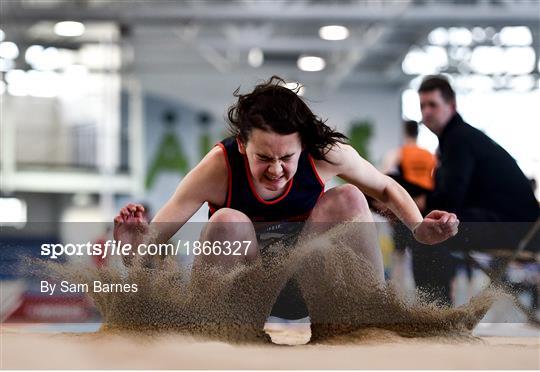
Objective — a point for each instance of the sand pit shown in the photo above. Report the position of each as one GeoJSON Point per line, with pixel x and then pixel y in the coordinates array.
{"type": "Point", "coordinates": [378, 350]}
{"type": "Point", "coordinates": [215, 319]}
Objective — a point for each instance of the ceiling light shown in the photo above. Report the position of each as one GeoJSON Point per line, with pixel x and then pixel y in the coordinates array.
{"type": "Point", "coordinates": [45, 84]}
{"type": "Point", "coordinates": [460, 53]}
{"type": "Point", "coordinates": [100, 56]}
{"type": "Point", "coordinates": [438, 36]}
{"type": "Point", "coordinates": [14, 76]}
{"type": "Point", "coordinates": [519, 36]}
{"type": "Point", "coordinates": [522, 83]}
{"type": "Point", "coordinates": [43, 59]}
{"type": "Point", "coordinates": [490, 32]}
{"type": "Point", "coordinates": [419, 62]}
{"type": "Point", "coordinates": [69, 28]}
{"type": "Point", "coordinates": [33, 54]}
{"type": "Point", "coordinates": [519, 60]}
{"type": "Point", "coordinates": [311, 63]}
{"type": "Point", "coordinates": [18, 84]}
{"type": "Point", "coordinates": [12, 212]}
{"type": "Point", "coordinates": [438, 57]}
{"type": "Point", "coordinates": [478, 34]}
{"type": "Point", "coordinates": [488, 60]}
{"type": "Point", "coordinates": [474, 82]}
{"type": "Point", "coordinates": [9, 50]}
{"type": "Point", "coordinates": [255, 57]}
{"type": "Point", "coordinates": [6, 64]}
{"type": "Point", "coordinates": [334, 32]}
{"type": "Point", "coordinates": [459, 36]}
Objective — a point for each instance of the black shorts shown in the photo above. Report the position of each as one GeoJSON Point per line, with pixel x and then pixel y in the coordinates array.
{"type": "Point", "coordinates": [290, 303]}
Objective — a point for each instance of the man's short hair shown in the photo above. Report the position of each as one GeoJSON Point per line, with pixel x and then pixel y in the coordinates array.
{"type": "Point", "coordinates": [440, 83]}
{"type": "Point", "coordinates": [411, 128]}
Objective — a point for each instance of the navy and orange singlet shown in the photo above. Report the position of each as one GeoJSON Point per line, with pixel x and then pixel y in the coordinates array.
{"type": "Point", "coordinates": [295, 204]}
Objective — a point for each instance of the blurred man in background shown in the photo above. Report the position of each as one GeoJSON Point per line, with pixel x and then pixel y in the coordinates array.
{"type": "Point", "coordinates": [477, 180]}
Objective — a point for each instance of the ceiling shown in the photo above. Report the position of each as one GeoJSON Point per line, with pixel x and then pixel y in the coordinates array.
{"type": "Point", "coordinates": [213, 38]}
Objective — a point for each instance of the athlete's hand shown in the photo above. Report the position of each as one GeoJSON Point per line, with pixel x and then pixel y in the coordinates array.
{"type": "Point", "coordinates": [130, 221]}
{"type": "Point", "coordinates": [130, 227]}
{"type": "Point", "coordinates": [436, 227]}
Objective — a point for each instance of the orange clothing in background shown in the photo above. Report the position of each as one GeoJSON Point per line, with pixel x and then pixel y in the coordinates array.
{"type": "Point", "coordinates": [418, 166]}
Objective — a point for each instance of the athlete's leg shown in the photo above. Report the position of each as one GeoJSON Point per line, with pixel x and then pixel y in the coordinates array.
{"type": "Point", "coordinates": [230, 225]}
{"type": "Point", "coordinates": [246, 304]}
{"type": "Point", "coordinates": [342, 204]}
{"type": "Point", "coordinates": [346, 203]}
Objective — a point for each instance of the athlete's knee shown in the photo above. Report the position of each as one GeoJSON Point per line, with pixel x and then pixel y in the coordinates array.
{"type": "Point", "coordinates": [352, 198]}
{"type": "Point", "coordinates": [228, 224]}
{"type": "Point", "coordinates": [346, 200]}
{"type": "Point", "coordinates": [229, 215]}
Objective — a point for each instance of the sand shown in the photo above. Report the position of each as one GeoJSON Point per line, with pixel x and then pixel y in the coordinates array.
{"type": "Point", "coordinates": [383, 350]}
{"type": "Point", "coordinates": [338, 284]}
{"type": "Point", "coordinates": [214, 318]}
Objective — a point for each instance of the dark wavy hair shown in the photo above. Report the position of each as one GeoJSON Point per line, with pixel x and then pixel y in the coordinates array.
{"type": "Point", "coordinates": [271, 106]}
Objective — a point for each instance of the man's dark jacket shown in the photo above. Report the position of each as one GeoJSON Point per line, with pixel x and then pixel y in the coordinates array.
{"type": "Point", "coordinates": [475, 173]}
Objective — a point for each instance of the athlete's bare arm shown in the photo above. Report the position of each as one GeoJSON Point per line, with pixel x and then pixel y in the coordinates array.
{"type": "Point", "coordinates": [349, 165]}
{"type": "Point", "coordinates": [206, 182]}
{"type": "Point", "coordinates": [391, 162]}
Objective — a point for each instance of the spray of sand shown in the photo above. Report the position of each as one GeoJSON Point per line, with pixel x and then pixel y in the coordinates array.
{"type": "Point", "coordinates": [346, 301]}
{"type": "Point", "coordinates": [337, 283]}
{"type": "Point", "coordinates": [230, 305]}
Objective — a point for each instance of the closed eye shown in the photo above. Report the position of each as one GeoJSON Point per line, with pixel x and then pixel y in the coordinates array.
{"type": "Point", "coordinates": [267, 158]}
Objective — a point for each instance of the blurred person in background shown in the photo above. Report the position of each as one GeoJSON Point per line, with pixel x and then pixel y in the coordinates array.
{"type": "Point", "coordinates": [477, 180]}
{"type": "Point", "coordinates": [412, 166]}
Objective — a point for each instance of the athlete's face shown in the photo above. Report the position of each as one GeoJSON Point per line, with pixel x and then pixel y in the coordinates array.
{"type": "Point", "coordinates": [436, 111]}
{"type": "Point", "coordinates": [273, 158]}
